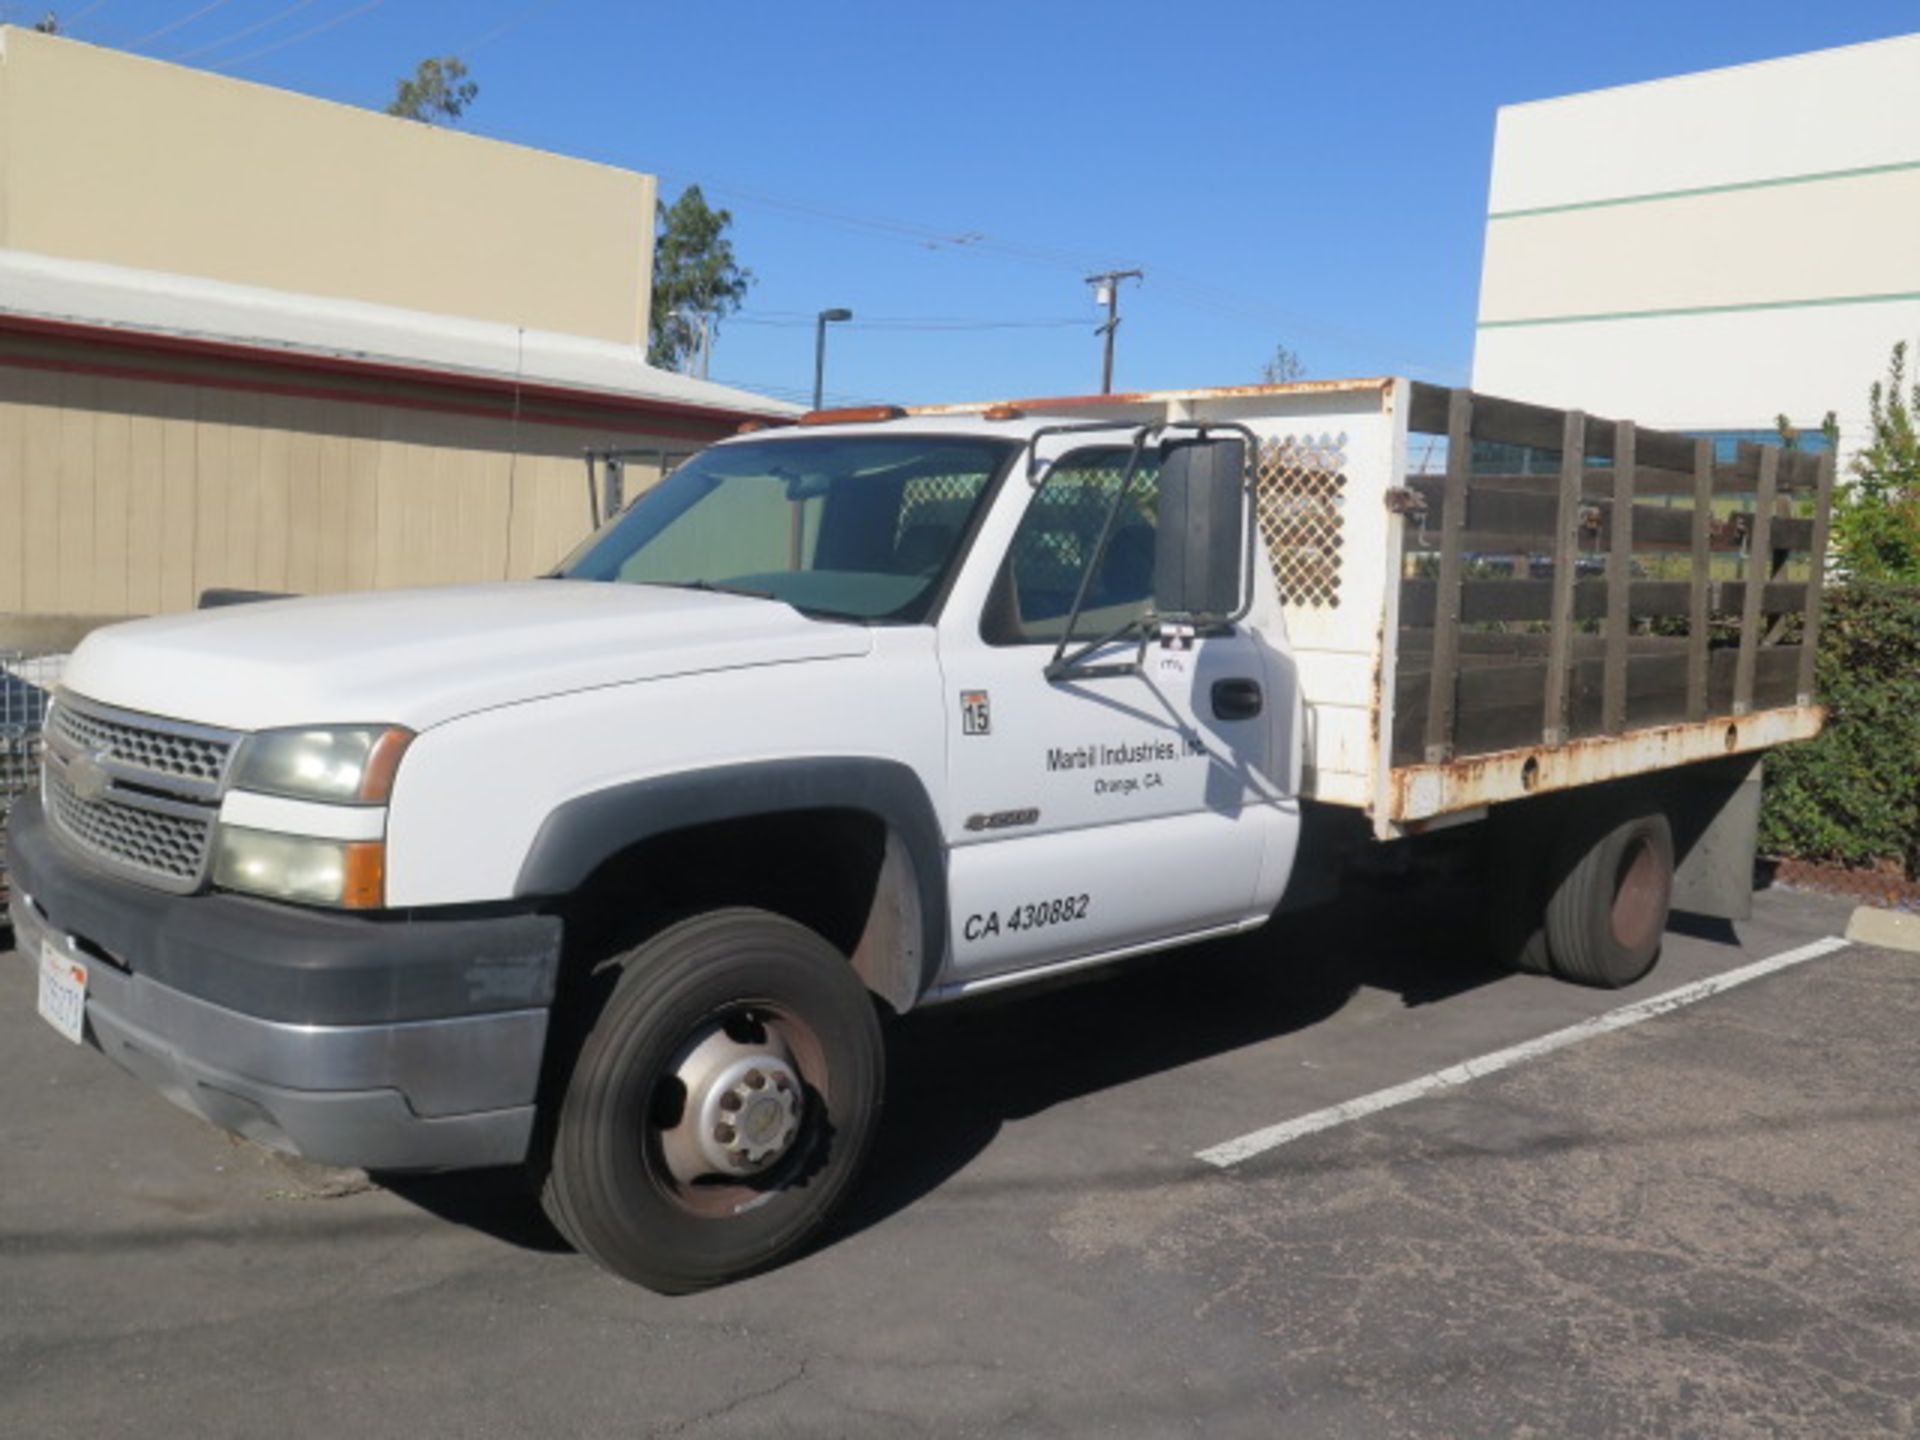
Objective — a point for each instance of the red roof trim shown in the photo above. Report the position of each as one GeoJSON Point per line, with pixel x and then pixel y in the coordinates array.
{"type": "Point", "coordinates": [653, 428]}
{"type": "Point", "coordinates": [146, 340]}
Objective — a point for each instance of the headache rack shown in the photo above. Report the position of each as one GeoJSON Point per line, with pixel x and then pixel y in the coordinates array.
{"type": "Point", "coordinates": [1487, 599]}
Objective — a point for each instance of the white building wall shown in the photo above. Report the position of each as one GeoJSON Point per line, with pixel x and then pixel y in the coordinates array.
{"type": "Point", "coordinates": [1711, 250]}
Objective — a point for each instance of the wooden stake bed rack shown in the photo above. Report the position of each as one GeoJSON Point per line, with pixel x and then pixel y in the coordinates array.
{"type": "Point", "coordinates": [1570, 581]}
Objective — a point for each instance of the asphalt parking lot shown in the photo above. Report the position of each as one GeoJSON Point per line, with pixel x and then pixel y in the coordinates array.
{"type": "Point", "coordinates": [1706, 1224]}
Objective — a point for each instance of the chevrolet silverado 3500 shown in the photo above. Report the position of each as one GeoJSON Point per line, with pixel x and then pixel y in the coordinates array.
{"type": "Point", "coordinates": [615, 874]}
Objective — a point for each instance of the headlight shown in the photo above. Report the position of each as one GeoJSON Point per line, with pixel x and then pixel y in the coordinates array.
{"type": "Point", "coordinates": [347, 764]}
{"type": "Point", "coordinates": [346, 873]}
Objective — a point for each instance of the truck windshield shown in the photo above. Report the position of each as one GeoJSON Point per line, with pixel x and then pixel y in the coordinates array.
{"type": "Point", "coordinates": [862, 528]}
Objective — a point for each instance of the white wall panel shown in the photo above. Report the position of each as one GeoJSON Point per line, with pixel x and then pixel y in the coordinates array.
{"type": "Point", "coordinates": [1840, 109]}
{"type": "Point", "coordinates": [1838, 239]}
{"type": "Point", "coordinates": [1709, 372]}
{"type": "Point", "coordinates": [1776, 282]}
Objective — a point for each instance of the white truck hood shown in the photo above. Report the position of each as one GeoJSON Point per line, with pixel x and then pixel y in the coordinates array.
{"type": "Point", "coordinates": [420, 657]}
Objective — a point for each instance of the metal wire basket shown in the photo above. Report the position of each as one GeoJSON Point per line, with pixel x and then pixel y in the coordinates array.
{"type": "Point", "coordinates": [26, 685]}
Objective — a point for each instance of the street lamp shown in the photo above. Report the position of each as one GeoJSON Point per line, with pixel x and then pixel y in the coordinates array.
{"type": "Point", "coordinates": [820, 348]}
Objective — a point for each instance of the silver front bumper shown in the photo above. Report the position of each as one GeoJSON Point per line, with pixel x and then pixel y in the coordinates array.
{"type": "Point", "coordinates": [413, 1095]}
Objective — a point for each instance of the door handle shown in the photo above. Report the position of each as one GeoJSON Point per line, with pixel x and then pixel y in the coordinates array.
{"type": "Point", "coordinates": [1236, 699]}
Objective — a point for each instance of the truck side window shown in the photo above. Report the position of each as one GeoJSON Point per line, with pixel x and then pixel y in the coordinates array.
{"type": "Point", "coordinates": [1035, 587]}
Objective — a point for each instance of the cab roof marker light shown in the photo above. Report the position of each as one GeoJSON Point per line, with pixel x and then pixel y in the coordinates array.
{"type": "Point", "coordinates": [854, 415]}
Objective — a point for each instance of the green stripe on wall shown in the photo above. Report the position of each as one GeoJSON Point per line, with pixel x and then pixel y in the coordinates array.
{"type": "Point", "coordinates": [1656, 195]}
{"type": "Point", "coordinates": [1700, 310]}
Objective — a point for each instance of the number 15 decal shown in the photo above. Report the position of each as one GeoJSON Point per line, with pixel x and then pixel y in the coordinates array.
{"type": "Point", "coordinates": [976, 715]}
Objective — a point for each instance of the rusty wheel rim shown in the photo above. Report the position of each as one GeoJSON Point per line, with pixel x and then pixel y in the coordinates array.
{"type": "Point", "coordinates": [1638, 913]}
{"type": "Point", "coordinates": [712, 1193]}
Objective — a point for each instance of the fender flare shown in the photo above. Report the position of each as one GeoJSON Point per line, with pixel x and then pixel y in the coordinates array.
{"type": "Point", "coordinates": [584, 832]}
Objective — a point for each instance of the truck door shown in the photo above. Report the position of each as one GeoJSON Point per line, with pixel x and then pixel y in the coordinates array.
{"type": "Point", "coordinates": [1093, 815]}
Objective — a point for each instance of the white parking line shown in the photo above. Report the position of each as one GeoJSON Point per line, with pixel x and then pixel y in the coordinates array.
{"type": "Point", "coordinates": [1232, 1152]}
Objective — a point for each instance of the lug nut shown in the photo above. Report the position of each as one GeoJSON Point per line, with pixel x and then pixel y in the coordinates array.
{"type": "Point", "coordinates": [755, 1080]}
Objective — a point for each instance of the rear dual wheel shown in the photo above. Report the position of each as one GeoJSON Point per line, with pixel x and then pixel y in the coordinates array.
{"type": "Point", "coordinates": [1605, 920]}
{"type": "Point", "coordinates": [720, 1104]}
{"type": "Point", "coordinates": [1590, 906]}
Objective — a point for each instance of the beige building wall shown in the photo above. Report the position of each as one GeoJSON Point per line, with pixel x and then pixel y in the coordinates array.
{"type": "Point", "coordinates": [258, 186]}
{"type": "Point", "coordinates": [131, 496]}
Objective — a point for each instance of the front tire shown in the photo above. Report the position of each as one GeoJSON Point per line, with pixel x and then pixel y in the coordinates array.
{"type": "Point", "coordinates": [720, 1104]}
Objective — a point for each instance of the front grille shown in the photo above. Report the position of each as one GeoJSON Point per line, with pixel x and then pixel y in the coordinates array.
{"type": "Point", "coordinates": [169, 849]}
{"type": "Point", "coordinates": [137, 793]}
{"type": "Point", "coordinates": [161, 749]}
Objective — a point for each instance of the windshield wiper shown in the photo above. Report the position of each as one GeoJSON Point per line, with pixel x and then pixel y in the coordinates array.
{"type": "Point", "coordinates": [720, 587]}
{"type": "Point", "coordinates": [714, 587]}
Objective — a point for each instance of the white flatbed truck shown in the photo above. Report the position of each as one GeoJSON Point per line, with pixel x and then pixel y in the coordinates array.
{"type": "Point", "coordinates": [615, 874]}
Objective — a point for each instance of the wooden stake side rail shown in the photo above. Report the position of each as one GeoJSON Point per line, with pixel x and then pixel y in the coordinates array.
{"type": "Point", "coordinates": [1663, 458]}
{"type": "Point", "coordinates": [1509, 520]}
{"type": "Point", "coordinates": [1560, 649]}
{"type": "Point", "coordinates": [1485, 601]}
{"type": "Point", "coordinates": [1598, 482]}
{"type": "Point", "coordinates": [1699, 582]}
{"type": "Point", "coordinates": [1499, 702]}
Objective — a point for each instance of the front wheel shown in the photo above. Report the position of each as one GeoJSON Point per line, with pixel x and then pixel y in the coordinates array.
{"type": "Point", "coordinates": [720, 1104]}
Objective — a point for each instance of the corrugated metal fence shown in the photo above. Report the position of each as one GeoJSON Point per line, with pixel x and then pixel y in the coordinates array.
{"type": "Point", "coordinates": [26, 683]}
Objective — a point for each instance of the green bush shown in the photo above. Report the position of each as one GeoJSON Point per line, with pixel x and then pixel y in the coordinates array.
{"type": "Point", "coordinates": [1876, 517]}
{"type": "Point", "coordinates": [1852, 797]}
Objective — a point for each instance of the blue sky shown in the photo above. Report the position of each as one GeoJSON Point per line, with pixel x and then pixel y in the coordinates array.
{"type": "Point", "coordinates": [1306, 174]}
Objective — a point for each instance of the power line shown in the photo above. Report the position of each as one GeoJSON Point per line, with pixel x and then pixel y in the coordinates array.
{"type": "Point", "coordinates": [1174, 287]}
{"type": "Point", "coordinates": [808, 317]}
{"type": "Point", "coordinates": [794, 393]}
{"type": "Point", "coordinates": [795, 320]}
{"type": "Point", "coordinates": [926, 236]}
{"type": "Point", "coordinates": [243, 32]}
{"type": "Point", "coordinates": [513, 23]}
{"type": "Point", "coordinates": [183, 21]}
{"type": "Point", "coordinates": [307, 34]}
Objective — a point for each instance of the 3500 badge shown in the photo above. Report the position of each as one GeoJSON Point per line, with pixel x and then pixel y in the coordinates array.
{"type": "Point", "coordinates": [1027, 917]}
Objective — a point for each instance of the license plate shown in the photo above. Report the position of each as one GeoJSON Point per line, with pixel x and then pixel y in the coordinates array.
{"type": "Point", "coordinates": [63, 991]}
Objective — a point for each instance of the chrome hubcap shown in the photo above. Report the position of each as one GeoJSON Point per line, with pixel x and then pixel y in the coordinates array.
{"type": "Point", "coordinates": [744, 1105]}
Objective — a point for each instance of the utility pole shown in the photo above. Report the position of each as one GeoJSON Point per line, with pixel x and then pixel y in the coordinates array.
{"type": "Point", "coordinates": [1106, 292]}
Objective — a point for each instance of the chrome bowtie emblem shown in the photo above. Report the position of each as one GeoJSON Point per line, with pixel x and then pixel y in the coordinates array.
{"type": "Point", "coordinates": [87, 776]}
